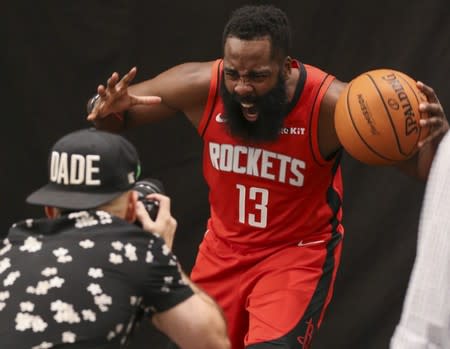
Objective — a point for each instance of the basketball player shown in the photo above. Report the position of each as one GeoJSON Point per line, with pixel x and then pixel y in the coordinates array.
{"type": "Point", "coordinates": [272, 163]}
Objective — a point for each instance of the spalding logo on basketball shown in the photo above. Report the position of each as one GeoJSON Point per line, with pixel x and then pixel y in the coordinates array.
{"type": "Point", "coordinates": [377, 117]}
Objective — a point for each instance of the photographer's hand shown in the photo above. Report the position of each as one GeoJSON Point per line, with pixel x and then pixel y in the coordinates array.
{"type": "Point", "coordinates": [164, 224]}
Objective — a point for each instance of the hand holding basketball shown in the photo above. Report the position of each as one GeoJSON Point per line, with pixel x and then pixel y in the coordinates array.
{"type": "Point", "coordinates": [377, 117]}
{"type": "Point", "coordinates": [436, 122]}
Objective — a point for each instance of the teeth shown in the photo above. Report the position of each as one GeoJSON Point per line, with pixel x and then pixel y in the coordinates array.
{"type": "Point", "coordinates": [247, 105]}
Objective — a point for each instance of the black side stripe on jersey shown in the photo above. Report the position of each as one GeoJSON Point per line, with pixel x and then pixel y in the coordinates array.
{"type": "Point", "coordinates": [310, 120]}
{"type": "Point", "coordinates": [333, 199]}
{"type": "Point", "coordinates": [216, 93]}
{"type": "Point", "coordinates": [303, 332]}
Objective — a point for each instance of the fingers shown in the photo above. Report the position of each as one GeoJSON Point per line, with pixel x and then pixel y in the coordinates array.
{"type": "Point", "coordinates": [431, 108]}
{"type": "Point", "coordinates": [128, 77]}
{"type": "Point", "coordinates": [115, 85]}
{"type": "Point", "coordinates": [434, 109]}
{"type": "Point", "coordinates": [164, 205]}
{"type": "Point", "coordinates": [428, 91]}
{"type": "Point", "coordinates": [433, 134]}
{"type": "Point", "coordinates": [115, 97]}
{"type": "Point", "coordinates": [164, 201]}
{"type": "Point", "coordinates": [143, 216]}
{"type": "Point", "coordinates": [112, 81]}
{"type": "Point", "coordinates": [148, 100]}
{"type": "Point", "coordinates": [92, 116]}
{"type": "Point", "coordinates": [101, 90]}
{"type": "Point", "coordinates": [164, 225]}
{"type": "Point", "coordinates": [436, 122]}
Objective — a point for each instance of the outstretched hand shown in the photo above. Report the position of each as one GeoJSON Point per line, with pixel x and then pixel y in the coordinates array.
{"type": "Point", "coordinates": [436, 121]}
{"type": "Point", "coordinates": [115, 98]}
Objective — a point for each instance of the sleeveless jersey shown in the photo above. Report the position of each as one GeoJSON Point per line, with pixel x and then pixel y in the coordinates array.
{"type": "Point", "coordinates": [272, 193]}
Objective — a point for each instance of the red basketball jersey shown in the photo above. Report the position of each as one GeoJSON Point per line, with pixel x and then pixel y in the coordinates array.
{"type": "Point", "coordinates": [275, 193]}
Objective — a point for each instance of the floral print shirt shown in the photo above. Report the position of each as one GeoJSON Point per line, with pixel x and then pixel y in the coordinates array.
{"type": "Point", "coordinates": [82, 280]}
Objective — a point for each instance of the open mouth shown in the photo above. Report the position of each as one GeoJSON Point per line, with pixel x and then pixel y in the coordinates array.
{"type": "Point", "coordinates": [249, 111]}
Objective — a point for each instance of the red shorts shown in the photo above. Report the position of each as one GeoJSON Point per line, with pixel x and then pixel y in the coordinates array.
{"type": "Point", "coordinates": [272, 295]}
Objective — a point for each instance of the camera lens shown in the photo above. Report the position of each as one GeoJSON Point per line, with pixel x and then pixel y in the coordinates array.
{"type": "Point", "coordinates": [145, 187]}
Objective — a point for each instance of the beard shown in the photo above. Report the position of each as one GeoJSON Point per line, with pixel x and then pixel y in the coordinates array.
{"type": "Point", "coordinates": [271, 108]}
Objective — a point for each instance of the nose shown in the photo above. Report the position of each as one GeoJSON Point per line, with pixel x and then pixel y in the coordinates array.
{"type": "Point", "coordinates": [242, 87]}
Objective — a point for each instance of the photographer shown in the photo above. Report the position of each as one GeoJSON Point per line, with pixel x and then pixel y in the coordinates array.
{"type": "Point", "coordinates": [85, 275]}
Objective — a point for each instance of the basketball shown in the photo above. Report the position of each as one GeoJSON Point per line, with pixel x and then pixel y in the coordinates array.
{"type": "Point", "coordinates": [377, 117]}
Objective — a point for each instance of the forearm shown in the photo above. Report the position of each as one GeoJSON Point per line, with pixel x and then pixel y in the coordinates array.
{"type": "Point", "coordinates": [196, 323]}
{"type": "Point", "coordinates": [141, 115]}
{"type": "Point", "coordinates": [419, 165]}
{"type": "Point", "coordinates": [197, 290]}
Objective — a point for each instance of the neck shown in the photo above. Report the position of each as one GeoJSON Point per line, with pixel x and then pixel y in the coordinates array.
{"type": "Point", "coordinates": [291, 83]}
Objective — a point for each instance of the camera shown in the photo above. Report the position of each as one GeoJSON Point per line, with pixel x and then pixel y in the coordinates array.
{"type": "Point", "coordinates": [149, 186]}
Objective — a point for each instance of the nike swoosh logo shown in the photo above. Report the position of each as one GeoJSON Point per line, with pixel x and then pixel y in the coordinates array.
{"type": "Point", "coordinates": [301, 243]}
{"type": "Point", "coordinates": [219, 118]}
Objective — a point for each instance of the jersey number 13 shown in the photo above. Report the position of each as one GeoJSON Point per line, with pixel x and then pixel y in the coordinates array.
{"type": "Point", "coordinates": [255, 199]}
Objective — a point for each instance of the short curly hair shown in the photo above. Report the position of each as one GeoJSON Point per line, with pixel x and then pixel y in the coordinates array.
{"type": "Point", "coordinates": [257, 21]}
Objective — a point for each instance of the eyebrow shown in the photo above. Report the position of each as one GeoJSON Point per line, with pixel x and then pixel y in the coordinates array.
{"type": "Point", "coordinates": [262, 71]}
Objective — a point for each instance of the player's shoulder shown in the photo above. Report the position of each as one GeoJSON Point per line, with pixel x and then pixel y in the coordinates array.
{"type": "Point", "coordinates": [310, 69]}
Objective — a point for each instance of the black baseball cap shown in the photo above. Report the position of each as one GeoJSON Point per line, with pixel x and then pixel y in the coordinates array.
{"type": "Point", "coordinates": [88, 168]}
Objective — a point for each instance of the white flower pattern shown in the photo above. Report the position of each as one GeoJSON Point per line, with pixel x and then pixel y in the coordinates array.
{"type": "Point", "coordinates": [11, 278]}
{"type": "Point", "coordinates": [105, 217]}
{"type": "Point", "coordinates": [95, 273]}
{"type": "Point", "coordinates": [60, 252]}
{"type": "Point", "coordinates": [64, 259]}
{"type": "Point", "coordinates": [4, 295]}
{"type": "Point", "coordinates": [83, 303]}
{"type": "Point", "coordinates": [87, 243]}
{"type": "Point", "coordinates": [168, 279]}
{"type": "Point", "coordinates": [68, 337]}
{"type": "Point", "coordinates": [94, 289]}
{"type": "Point", "coordinates": [130, 252]}
{"type": "Point", "coordinates": [115, 258]}
{"type": "Point", "coordinates": [149, 258]}
{"type": "Point", "coordinates": [119, 328]}
{"type": "Point", "coordinates": [26, 321]}
{"type": "Point", "coordinates": [44, 286]}
{"type": "Point", "coordinates": [5, 263]}
{"type": "Point", "coordinates": [165, 250]}
{"type": "Point", "coordinates": [6, 248]}
{"type": "Point", "coordinates": [49, 272]}
{"type": "Point", "coordinates": [64, 312]}
{"type": "Point", "coordinates": [31, 244]}
{"type": "Point", "coordinates": [26, 307]}
{"type": "Point", "coordinates": [117, 245]}
{"type": "Point", "coordinates": [43, 345]}
{"type": "Point", "coordinates": [88, 315]}
{"type": "Point", "coordinates": [103, 301]}
{"type": "Point", "coordinates": [83, 219]}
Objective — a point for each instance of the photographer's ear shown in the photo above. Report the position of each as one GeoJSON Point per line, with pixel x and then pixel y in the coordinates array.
{"type": "Point", "coordinates": [51, 212]}
{"type": "Point", "coordinates": [130, 214]}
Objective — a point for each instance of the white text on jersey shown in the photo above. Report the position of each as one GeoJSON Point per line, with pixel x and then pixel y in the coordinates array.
{"type": "Point", "coordinates": [257, 162]}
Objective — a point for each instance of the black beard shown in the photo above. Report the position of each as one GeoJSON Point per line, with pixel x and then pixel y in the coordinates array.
{"type": "Point", "coordinates": [271, 113]}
